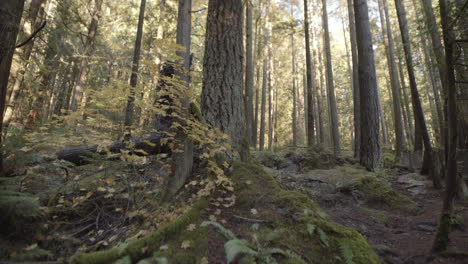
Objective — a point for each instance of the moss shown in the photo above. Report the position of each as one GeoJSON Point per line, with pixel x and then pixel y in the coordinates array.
{"type": "Point", "coordinates": [389, 159]}
{"type": "Point", "coordinates": [18, 211]}
{"type": "Point", "coordinates": [32, 255]}
{"type": "Point", "coordinates": [142, 247]}
{"type": "Point", "coordinates": [383, 218]}
{"type": "Point", "coordinates": [454, 254]}
{"type": "Point", "coordinates": [377, 192]}
{"type": "Point", "coordinates": [294, 211]}
{"type": "Point", "coordinates": [270, 159]}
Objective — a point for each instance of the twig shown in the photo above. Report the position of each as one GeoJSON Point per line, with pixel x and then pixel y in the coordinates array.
{"type": "Point", "coordinates": [32, 35]}
{"type": "Point", "coordinates": [251, 219]}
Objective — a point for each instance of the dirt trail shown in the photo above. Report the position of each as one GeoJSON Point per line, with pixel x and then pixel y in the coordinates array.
{"type": "Point", "coordinates": [397, 237]}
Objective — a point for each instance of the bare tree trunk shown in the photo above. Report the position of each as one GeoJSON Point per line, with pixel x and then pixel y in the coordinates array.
{"type": "Point", "coordinates": [394, 82]}
{"type": "Point", "coordinates": [356, 104]}
{"type": "Point", "coordinates": [249, 75]}
{"type": "Point", "coordinates": [310, 80]}
{"type": "Point", "coordinates": [263, 104]}
{"type": "Point", "coordinates": [78, 90]}
{"type": "Point", "coordinates": [407, 114]}
{"type": "Point", "coordinates": [331, 87]}
{"type": "Point", "coordinates": [418, 111]}
{"type": "Point", "coordinates": [294, 88]}
{"type": "Point", "coordinates": [10, 16]}
{"type": "Point", "coordinates": [271, 85]}
{"type": "Point", "coordinates": [445, 222]}
{"type": "Point", "coordinates": [371, 153]}
{"type": "Point", "coordinates": [129, 113]}
{"type": "Point", "coordinates": [222, 69]}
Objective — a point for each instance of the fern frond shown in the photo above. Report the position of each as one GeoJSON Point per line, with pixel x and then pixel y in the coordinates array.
{"type": "Point", "coordinates": [228, 234]}
{"type": "Point", "coordinates": [235, 247]}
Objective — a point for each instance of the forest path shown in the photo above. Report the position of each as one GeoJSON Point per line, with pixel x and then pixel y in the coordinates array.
{"type": "Point", "coordinates": [397, 237]}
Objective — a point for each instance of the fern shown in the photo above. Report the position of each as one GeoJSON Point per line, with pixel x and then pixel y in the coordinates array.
{"type": "Point", "coordinates": [323, 236]}
{"type": "Point", "coordinates": [221, 229]}
{"type": "Point", "coordinates": [236, 247]}
{"type": "Point", "coordinates": [346, 252]}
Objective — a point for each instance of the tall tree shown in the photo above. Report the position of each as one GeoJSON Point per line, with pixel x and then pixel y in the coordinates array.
{"type": "Point", "coordinates": [309, 78]}
{"type": "Point", "coordinates": [32, 21]}
{"type": "Point", "coordinates": [394, 82]}
{"type": "Point", "coordinates": [78, 90]}
{"type": "Point", "coordinates": [294, 87]}
{"type": "Point", "coordinates": [10, 16]}
{"type": "Point", "coordinates": [356, 104]}
{"type": "Point", "coordinates": [445, 222]}
{"type": "Point", "coordinates": [417, 108]}
{"type": "Point", "coordinates": [263, 103]}
{"type": "Point", "coordinates": [249, 75]}
{"type": "Point", "coordinates": [128, 123]}
{"type": "Point", "coordinates": [222, 68]}
{"type": "Point", "coordinates": [371, 153]}
{"type": "Point", "coordinates": [182, 158]}
{"type": "Point", "coordinates": [331, 87]}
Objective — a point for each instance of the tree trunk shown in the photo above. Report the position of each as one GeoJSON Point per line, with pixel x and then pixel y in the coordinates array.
{"type": "Point", "coordinates": [356, 107]}
{"type": "Point", "coordinates": [394, 82]}
{"type": "Point", "coordinates": [78, 90]}
{"type": "Point", "coordinates": [417, 108]}
{"type": "Point", "coordinates": [36, 11]}
{"type": "Point", "coordinates": [294, 88]}
{"type": "Point", "coordinates": [10, 16]}
{"type": "Point", "coordinates": [222, 69]}
{"type": "Point", "coordinates": [331, 87]}
{"type": "Point", "coordinates": [445, 222]}
{"type": "Point", "coordinates": [310, 80]}
{"type": "Point", "coordinates": [263, 104]}
{"type": "Point", "coordinates": [371, 153]}
{"type": "Point", "coordinates": [182, 158]}
{"type": "Point", "coordinates": [129, 113]}
{"type": "Point", "coordinates": [249, 75]}
{"type": "Point", "coordinates": [407, 114]}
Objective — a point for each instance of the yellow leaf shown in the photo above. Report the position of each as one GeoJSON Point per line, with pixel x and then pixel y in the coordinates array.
{"type": "Point", "coordinates": [101, 189]}
{"type": "Point", "coordinates": [253, 211]}
{"type": "Point", "coordinates": [191, 227]}
{"type": "Point", "coordinates": [185, 244]}
{"type": "Point", "coordinates": [31, 247]}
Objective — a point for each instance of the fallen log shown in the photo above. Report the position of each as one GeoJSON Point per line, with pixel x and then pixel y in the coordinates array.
{"type": "Point", "coordinates": [149, 145]}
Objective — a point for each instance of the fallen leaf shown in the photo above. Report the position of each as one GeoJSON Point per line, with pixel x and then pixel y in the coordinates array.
{"type": "Point", "coordinates": [253, 211]}
{"type": "Point", "coordinates": [191, 227]}
{"type": "Point", "coordinates": [164, 247]}
{"type": "Point", "coordinates": [185, 244]}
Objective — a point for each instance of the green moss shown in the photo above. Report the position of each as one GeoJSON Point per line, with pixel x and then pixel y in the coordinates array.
{"type": "Point", "coordinates": [18, 210]}
{"type": "Point", "coordinates": [454, 254]}
{"type": "Point", "coordinates": [294, 211]}
{"type": "Point", "coordinates": [270, 159]}
{"type": "Point", "coordinates": [383, 218]}
{"type": "Point", "coordinates": [142, 247]}
{"type": "Point", "coordinates": [389, 159]}
{"type": "Point", "coordinates": [377, 192]}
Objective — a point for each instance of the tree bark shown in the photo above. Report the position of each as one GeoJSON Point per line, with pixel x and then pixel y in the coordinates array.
{"type": "Point", "coordinates": [77, 94]}
{"type": "Point", "coordinates": [310, 80]}
{"type": "Point", "coordinates": [417, 108]}
{"type": "Point", "coordinates": [10, 16]}
{"type": "Point", "coordinates": [129, 113]}
{"type": "Point", "coordinates": [222, 69]}
{"type": "Point", "coordinates": [294, 88]}
{"type": "Point", "coordinates": [263, 104]}
{"type": "Point", "coordinates": [249, 75]}
{"type": "Point", "coordinates": [371, 153]}
{"type": "Point", "coordinates": [331, 87]}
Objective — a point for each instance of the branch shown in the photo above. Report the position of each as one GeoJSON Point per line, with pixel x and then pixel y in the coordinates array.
{"type": "Point", "coordinates": [32, 35]}
{"type": "Point", "coordinates": [199, 10]}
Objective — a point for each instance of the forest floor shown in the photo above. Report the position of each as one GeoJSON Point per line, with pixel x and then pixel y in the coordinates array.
{"type": "Point", "coordinates": [396, 236]}
{"type": "Point", "coordinates": [295, 207]}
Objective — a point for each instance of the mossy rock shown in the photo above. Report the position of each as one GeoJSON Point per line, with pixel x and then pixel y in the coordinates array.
{"type": "Point", "coordinates": [144, 247]}
{"type": "Point", "coordinates": [271, 159]}
{"type": "Point", "coordinates": [18, 212]}
{"type": "Point", "coordinates": [378, 193]}
{"type": "Point", "coordinates": [294, 211]}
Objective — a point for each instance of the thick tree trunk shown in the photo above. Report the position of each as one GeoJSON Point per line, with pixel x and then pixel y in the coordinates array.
{"type": "Point", "coordinates": [310, 80]}
{"type": "Point", "coordinates": [445, 222]}
{"type": "Point", "coordinates": [10, 16]}
{"type": "Point", "coordinates": [222, 69]}
{"type": "Point", "coordinates": [129, 113]}
{"type": "Point", "coordinates": [77, 94]}
{"type": "Point", "coordinates": [417, 108]}
{"type": "Point", "coordinates": [394, 82]}
{"type": "Point", "coordinates": [331, 87]}
{"type": "Point", "coordinates": [249, 75]}
{"type": "Point", "coordinates": [371, 153]}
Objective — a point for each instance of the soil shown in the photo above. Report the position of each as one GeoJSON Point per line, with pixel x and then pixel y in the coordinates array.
{"type": "Point", "coordinates": [395, 236]}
